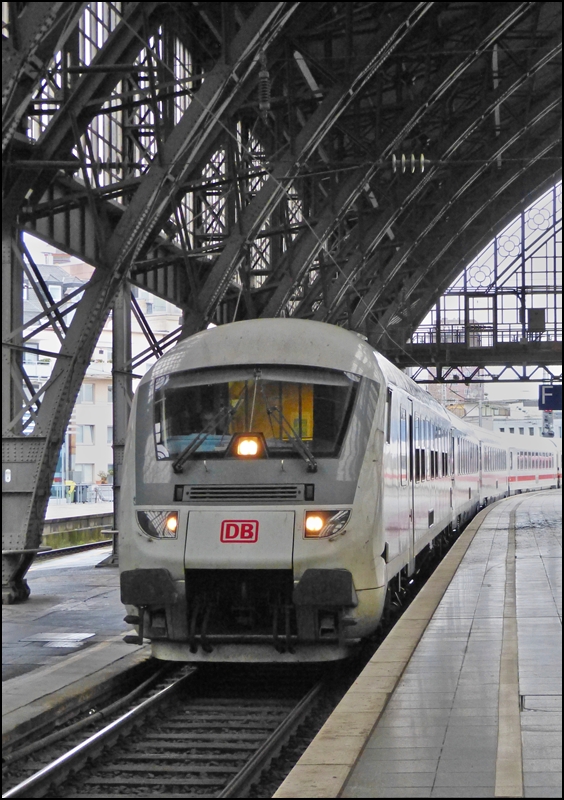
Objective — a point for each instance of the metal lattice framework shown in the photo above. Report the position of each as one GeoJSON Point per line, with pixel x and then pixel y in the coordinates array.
{"type": "Point", "coordinates": [503, 314]}
{"type": "Point", "coordinates": [245, 160]}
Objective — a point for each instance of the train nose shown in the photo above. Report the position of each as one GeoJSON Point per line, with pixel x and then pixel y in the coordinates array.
{"type": "Point", "coordinates": [239, 540]}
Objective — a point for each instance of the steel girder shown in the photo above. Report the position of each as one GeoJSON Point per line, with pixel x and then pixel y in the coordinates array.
{"type": "Point", "coordinates": [30, 460]}
{"type": "Point", "coordinates": [419, 109]}
{"type": "Point", "coordinates": [35, 34]}
{"type": "Point", "coordinates": [232, 209]}
{"type": "Point", "coordinates": [385, 287]}
{"type": "Point", "coordinates": [382, 265]}
{"type": "Point", "coordinates": [368, 257]}
{"type": "Point", "coordinates": [313, 132]}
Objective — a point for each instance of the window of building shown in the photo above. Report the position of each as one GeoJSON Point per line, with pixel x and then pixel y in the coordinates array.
{"type": "Point", "coordinates": [84, 473]}
{"type": "Point", "coordinates": [30, 358]}
{"type": "Point", "coordinates": [56, 291]}
{"type": "Point", "coordinates": [511, 430]}
{"type": "Point", "coordinates": [86, 393]}
{"type": "Point", "coordinates": [522, 431]}
{"type": "Point", "coordinates": [149, 308]}
{"type": "Point", "coordinates": [531, 431]}
{"type": "Point", "coordinates": [502, 430]}
{"type": "Point", "coordinates": [110, 434]}
{"type": "Point", "coordinates": [110, 393]}
{"type": "Point", "coordinates": [85, 434]}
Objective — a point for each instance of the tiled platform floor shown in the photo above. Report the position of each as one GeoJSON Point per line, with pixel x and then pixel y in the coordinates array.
{"type": "Point", "coordinates": [477, 710]}
{"type": "Point", "coordinates": [64, 641]}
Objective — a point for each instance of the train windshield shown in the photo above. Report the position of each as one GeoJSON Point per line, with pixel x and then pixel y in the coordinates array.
{"type": "Point", "coordinates": [201, 411]}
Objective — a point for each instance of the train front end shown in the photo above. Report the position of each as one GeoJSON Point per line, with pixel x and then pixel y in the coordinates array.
{"type": "Point", "coordinates": [249, 505]}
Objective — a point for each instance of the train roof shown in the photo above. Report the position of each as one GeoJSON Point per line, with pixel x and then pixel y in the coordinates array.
{"type": "Point", "coordinates": [294, 342]}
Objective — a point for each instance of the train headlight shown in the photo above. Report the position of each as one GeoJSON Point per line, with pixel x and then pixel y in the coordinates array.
{"type": "Point", "coordinates": [321, 524]}
{"type": "Point", "coordinates": [159, 524]}
{"type": "Point", "coordinates": [247, 447]}
{"type": "Point", "coordinates": [314, 523]}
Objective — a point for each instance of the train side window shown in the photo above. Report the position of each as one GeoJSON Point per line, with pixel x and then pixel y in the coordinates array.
{"type": "Point", "coordinates": [432, 450]}
{"type": "Point", "coordinates": [403, 446]}
{"type": "Point", "coordinates": [417, 449]}
{"type": "Point", "coordinates": [389, 416]}
{"type": "Point", "coordinates": [426, 468]}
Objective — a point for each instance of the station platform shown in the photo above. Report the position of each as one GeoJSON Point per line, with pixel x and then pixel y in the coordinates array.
{"type": "Point", "coordinates": [57, 510]}
{"type": "Point", "coordinates": [64, 642]}
{"type": "Point", "coordinates": [464, 696]}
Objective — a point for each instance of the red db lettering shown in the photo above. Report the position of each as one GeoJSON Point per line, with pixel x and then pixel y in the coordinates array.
{"type": "Point", "coordinates": [231, 531]}
{"type": "Point", "coordinates": [239, 530]}
{"type": "Point", "coordinates": [247, 530]}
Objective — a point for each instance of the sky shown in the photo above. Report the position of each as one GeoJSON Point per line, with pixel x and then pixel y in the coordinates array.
{"type": "Point", "coordinates": [494, 391]}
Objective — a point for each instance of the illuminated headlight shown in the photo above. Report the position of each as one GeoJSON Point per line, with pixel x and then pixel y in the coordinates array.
{"type": "Point", "coordinates": [159, 524]}
{"type": "Point", "coordinates": [321, 524]}
{"type": "Point", "coordinates": [247, 447]}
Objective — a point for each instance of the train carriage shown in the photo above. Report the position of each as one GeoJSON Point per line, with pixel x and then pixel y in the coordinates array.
{"type": "Point", "coordinates": [278, 474]}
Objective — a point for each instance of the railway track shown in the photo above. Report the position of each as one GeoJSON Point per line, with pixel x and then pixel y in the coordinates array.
{"type": "Point", "coordinates": [57, 552]}
{"type": "Point", "coordinates": [201, 735]}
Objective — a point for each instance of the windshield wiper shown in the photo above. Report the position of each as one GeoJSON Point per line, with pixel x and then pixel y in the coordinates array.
{"type": "Point", "coordinates": [294, 437]}
{"type": "Point", "coordinates": [224, 413]}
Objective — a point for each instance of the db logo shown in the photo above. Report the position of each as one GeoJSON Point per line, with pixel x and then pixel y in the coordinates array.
{"type": "Point", "coordinates": [239, 530]}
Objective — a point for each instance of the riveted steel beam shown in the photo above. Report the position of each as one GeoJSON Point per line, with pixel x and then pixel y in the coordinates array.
{"type": "Point", "coordinates": [448, 76]}
{"type": "Point", "coordinates": [90, 92]}
{"type": "Point", "coordinates": [307, 140]}
{"type": "Point", "coordinates": [25, 503]}
{"type": "Point", "coordinates": [411, 191]}
{"type": "Point", "coordinates": [34, 34]}
{"type": "Point", "coordinates": [407, 308]}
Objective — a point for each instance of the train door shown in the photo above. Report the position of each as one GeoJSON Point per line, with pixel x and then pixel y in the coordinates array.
{"type": "Point", "coordinates": [451, 464]}
{"type": "Point", "coordinates": [411, 487]}
{"type": "Point", "coordinates": [480, 474]}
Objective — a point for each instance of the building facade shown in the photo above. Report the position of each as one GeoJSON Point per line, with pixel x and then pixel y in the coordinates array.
{"type": "Point", "coordinates": [86, 458]}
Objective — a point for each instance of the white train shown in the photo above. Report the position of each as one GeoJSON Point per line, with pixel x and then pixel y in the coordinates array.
{"type": "Point", "coordinates": [278, 475]}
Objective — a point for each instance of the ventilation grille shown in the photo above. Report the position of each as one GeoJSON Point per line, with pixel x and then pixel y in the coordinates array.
{"type": "Point", "coordinates": [242, 494]}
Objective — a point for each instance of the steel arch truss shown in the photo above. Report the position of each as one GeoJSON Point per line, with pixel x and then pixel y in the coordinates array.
{"type": "Point", "coordinates": [330, 161]}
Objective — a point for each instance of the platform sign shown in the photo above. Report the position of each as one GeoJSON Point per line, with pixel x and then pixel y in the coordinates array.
{"type": "Point", "coordinates": [550, 397]}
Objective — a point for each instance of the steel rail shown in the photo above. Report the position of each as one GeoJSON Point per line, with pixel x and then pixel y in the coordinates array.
{"type": "Point", "coordinates": [36, 785]}
{"type": "Point", "coordinates": [73, 548]}
{"type": "Point", "coordinates": [33, 786]}
{"type": "Point", "coordinates": [257, 763]}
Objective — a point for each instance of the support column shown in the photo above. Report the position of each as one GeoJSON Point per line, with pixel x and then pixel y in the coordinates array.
{"type": "Point", "coordinates": [18, 451]}
{"type": "Point", "coordinates": [122, 384]}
